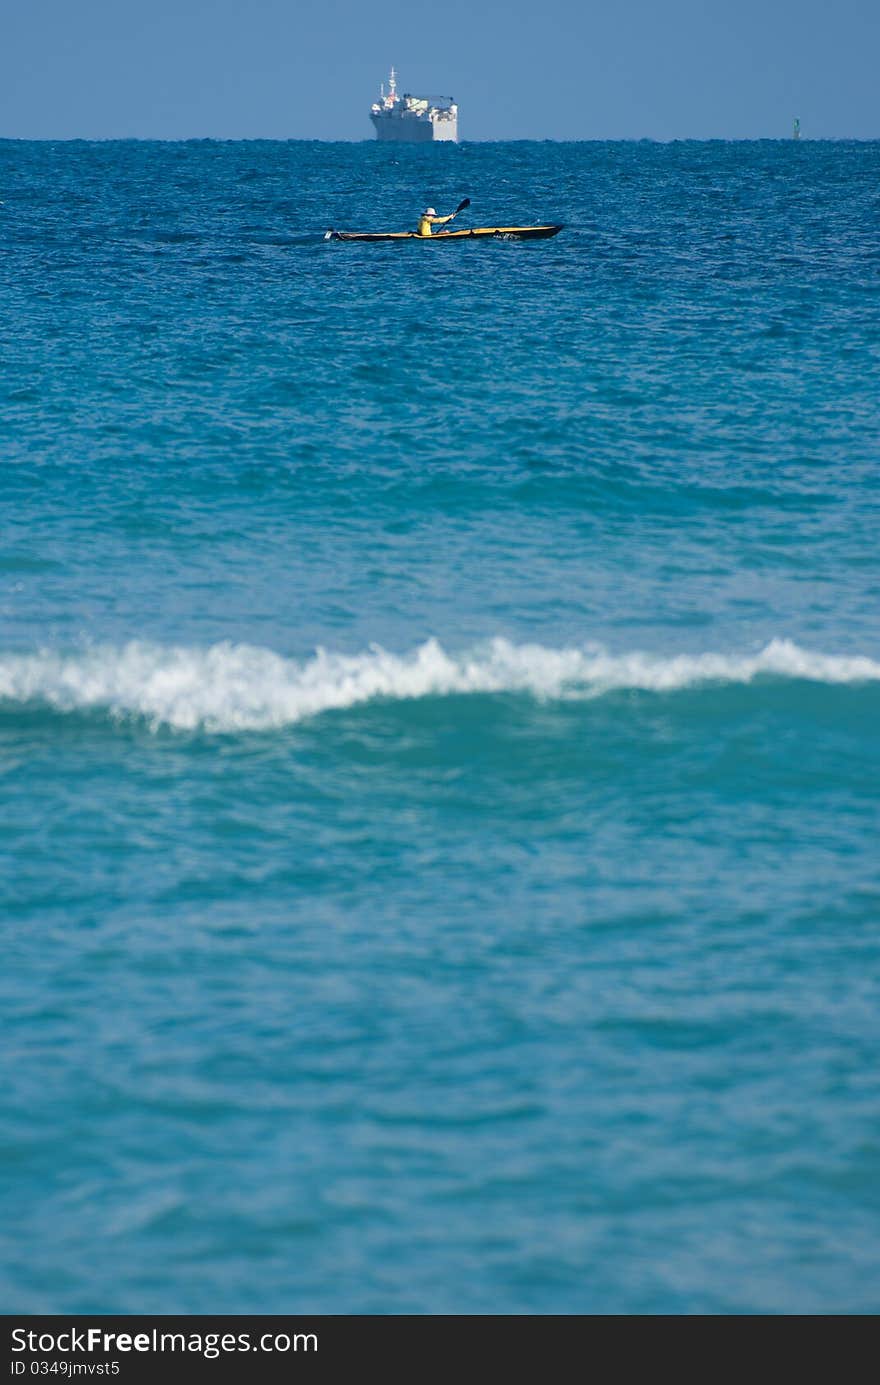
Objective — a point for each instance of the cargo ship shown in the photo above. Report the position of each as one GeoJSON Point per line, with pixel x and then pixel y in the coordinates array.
{"type": "Point", "coordinates": [413, 119]}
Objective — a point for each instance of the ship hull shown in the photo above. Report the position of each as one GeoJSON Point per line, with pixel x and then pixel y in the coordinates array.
{"type": "Point", "coordinates": [402, 129]}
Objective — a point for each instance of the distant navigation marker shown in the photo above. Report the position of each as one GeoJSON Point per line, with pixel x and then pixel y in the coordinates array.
{"type": "Point", "coordinates": [796, 133]}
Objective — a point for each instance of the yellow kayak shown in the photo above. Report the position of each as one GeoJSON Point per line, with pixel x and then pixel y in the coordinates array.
{"type": "Point", "coordinates": [479, 232]}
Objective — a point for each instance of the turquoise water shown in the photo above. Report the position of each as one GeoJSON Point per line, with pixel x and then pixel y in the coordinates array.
{"type": "Point", "coordinates": [439, 693]}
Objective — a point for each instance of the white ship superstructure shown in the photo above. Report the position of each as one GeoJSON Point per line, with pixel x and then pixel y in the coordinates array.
{"type": "Point", "coordinates": [413, 119]}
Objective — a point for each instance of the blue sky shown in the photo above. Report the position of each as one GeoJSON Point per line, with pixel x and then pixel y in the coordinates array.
{"type": "Point", "coordinates": [541, 69]}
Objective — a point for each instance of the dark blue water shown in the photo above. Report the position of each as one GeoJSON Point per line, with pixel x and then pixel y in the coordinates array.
{"type": "Point", "coordinates": [439, 704]}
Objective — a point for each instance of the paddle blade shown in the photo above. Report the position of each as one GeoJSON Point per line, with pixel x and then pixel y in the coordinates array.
{"type": "Point", "coordinates": [465, 202]}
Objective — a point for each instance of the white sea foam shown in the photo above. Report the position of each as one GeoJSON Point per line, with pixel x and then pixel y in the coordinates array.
{"type": "Point", "coordinates": [239, 687]}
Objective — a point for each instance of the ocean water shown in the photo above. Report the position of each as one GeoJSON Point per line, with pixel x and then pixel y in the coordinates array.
{"type": "Point", "coordinates": [439, 708]}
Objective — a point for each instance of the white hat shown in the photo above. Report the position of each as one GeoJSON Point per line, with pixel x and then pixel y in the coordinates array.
{"type": "Point", "coordinates": [429, 211]}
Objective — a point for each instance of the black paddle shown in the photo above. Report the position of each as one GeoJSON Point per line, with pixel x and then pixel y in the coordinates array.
{"type": "Point", "coordinates": [465, 202]}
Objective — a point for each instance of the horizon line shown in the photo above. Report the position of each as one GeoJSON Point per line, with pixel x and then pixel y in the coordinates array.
{"type": "Point", "coordinates": [453, 144]}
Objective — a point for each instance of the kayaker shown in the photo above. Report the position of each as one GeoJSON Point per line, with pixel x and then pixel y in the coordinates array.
{"type": "Point", "coordinates": [430, 218]}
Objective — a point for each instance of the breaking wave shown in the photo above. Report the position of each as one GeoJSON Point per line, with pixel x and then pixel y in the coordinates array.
{"type": "Point", "coordinates": [231, 687]}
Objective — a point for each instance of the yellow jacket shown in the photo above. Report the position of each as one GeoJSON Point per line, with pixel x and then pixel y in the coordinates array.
{"type": "Point", "coordinates": [426, 222]}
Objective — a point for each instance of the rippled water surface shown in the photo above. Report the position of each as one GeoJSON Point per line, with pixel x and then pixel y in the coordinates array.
{"type": "Point", "coordinates": [439, 704]}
